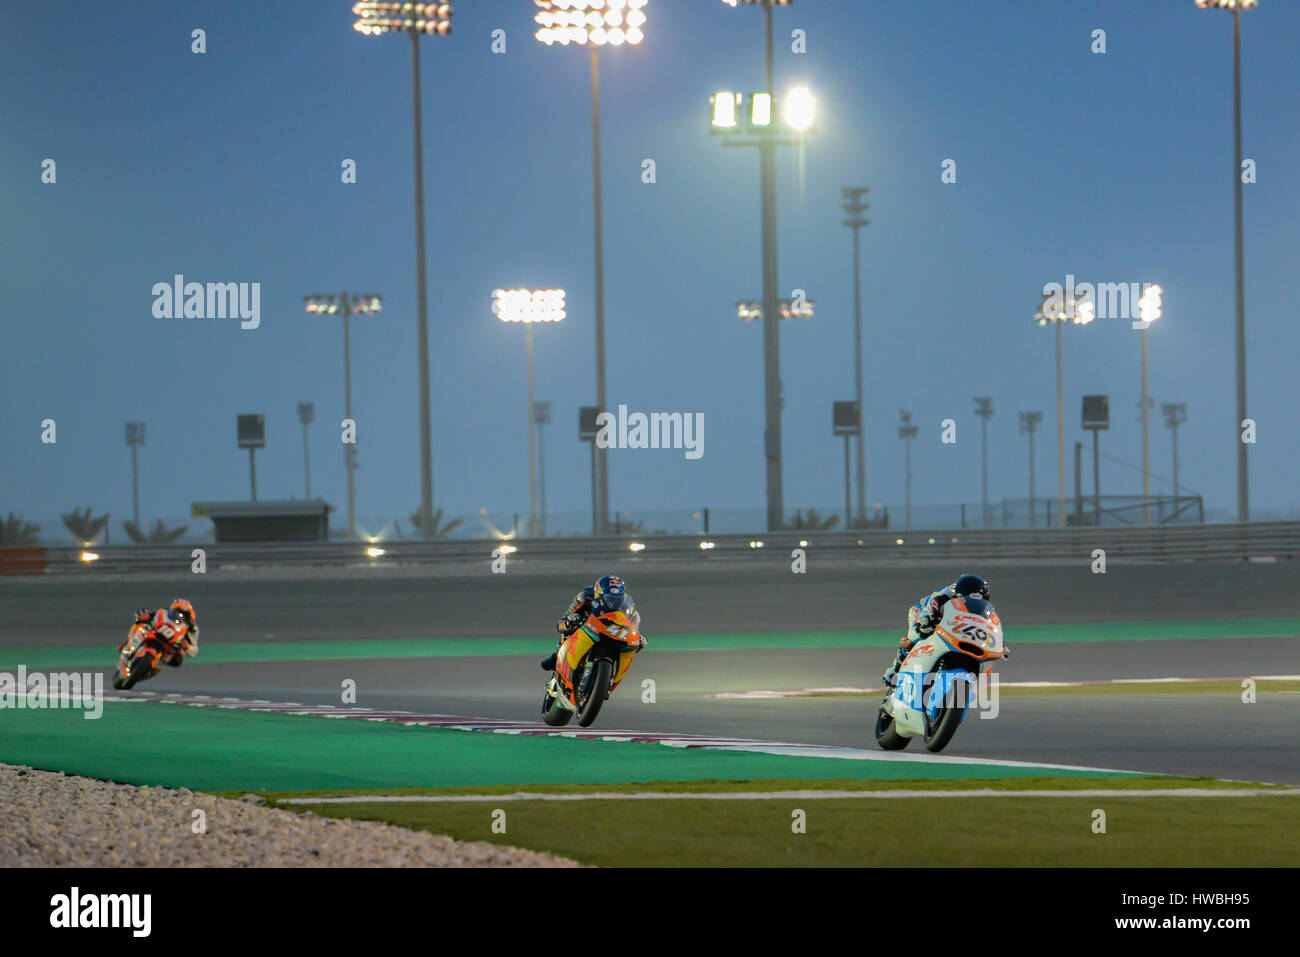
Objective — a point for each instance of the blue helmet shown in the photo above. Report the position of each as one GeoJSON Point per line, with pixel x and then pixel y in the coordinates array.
{"type": "Point", "coordinates": [971, 586]}
{"type": "Point", "coordinates": [608, 594]}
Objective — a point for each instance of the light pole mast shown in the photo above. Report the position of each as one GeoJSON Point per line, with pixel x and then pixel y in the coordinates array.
{"type": "Point", "coordinates": [984, 409]}
{"type": "Point", "coordinates": [907, 432]}
{"type": "Point", "coordinates": [135, 438]}
{"type": "Point", "coordinates": [306, 413]}
{"type": "Point", "coordinates": [377, 17]}
{"type": "Point", "coordinates": [767, 136]}
{"type": "Point", "coordinates": [529, 306]}
{"type": "Point", "coordinates": [1029, 424]}
{"type": "Point", "coordinates": [1243, 465]}
{"type": "Point", "coordinates": [853, 210]}
{"type": "Point", "coordinates": [346, 304]}
{"type": "Point", "coordinates": [1149, 310]}
{"type": "Point", "coordinates": [1056, 311]}
{"type": "Point", "coordinates": [563, 22]}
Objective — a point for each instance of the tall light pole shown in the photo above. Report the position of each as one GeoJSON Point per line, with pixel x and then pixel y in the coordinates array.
{"type": "Point", "coordinates": [1149, 308]}
{"type": "Point", "coordinates": [135, 438]}
{"type": "Point", "coordinates": [347, 304]}
{"type": "Point", "coordinates": [1175, 414]}
{"type": "Point", "coordinates": [853, 210]}
{"type": "Point", "coordinates": [1029, 424]}
{"type": "Point", "coordinates": [1243, 478]}
{"type": "Point", "coordinates": [765, 133]}
{"type": "Point", "coordinates": [306, 413]}
{"type": "Point", "coordinates": [594, 23]}
{"type": "Point", "coordinates": [984, 409]}
{"type": "Point", "coordinates": [542, 416]}
{"type": "Point", "coordinates": [1056, 311]}
{"type": "Point", "coordinates": [529, 306]}
{"type": "Point", "coordinates": [907, 432]}
{"type": "Point", "coordinates": [376, 19]}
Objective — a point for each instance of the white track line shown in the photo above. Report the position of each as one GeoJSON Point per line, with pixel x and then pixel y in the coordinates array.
{"type": "Point", "coordinates": [815, 692]}
{"type": "Point", "coordinates": [960, 795]}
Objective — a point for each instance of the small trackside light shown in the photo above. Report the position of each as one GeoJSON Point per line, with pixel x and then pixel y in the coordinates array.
{"type": "Point", "coordinates": [636, 546]}
{"type": "Point", "coordinates": [374, 552]}
{"type": "Point", "coordinates": [706, 545]}
{"type": "Point", "coordinates": [89, 557]}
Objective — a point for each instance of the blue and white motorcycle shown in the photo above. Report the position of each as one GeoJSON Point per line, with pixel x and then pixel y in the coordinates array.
{"type": "Point", "coordinates": [938, 679]}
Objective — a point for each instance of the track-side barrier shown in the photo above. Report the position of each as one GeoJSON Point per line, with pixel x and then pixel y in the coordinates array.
{"type": "Point", "coordinates": [1269, 542]}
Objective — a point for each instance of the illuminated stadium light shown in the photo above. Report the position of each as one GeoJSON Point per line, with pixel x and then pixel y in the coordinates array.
{"type": "Point", "coordinates": [374, 552]}
{"type": "Point", "coordinates": [798, 109]}
{"type": "Point", "coordinates": [760, 109]}
{"type": "Point", "coordinates": [724, 104]}
{"type": "Point", "coordinates": [89, 557]}
{"type": "Point", "coordinates": [334, 303]}
{"type": "Point", "coordinates": [598, 22]}
{"type": "Point", "coordinates": [755, 544]}
{"type": "Point", "coordinates": [1149, 306]}
{"type": "Point", "coordinates": [706, 545]}
{"type": "Point", "coordinates": [507, 549]}
{"type": "Point", "coordinates": [375, 18]}
{"type": "Point", "coordinates": [528, 305]}
{"type": "Point", "coordinates": [751, 309]}
{"type": "Point", "coordinates": [1227, 4]}
{"type": "Point", "coordinates": [636, 547]}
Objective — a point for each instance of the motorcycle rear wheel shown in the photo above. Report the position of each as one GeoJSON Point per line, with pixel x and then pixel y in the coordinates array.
{"type": "Point", "coordinates": [138, 670]}
{"type": "Point", "coordinates": [597, 691]}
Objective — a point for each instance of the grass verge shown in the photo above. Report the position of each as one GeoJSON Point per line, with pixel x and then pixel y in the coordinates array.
{"type": "Point", "coordinates": [961, 831]}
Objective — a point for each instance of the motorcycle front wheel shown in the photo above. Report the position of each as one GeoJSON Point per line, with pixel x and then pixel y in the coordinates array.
{"type": "Point", "coordinates": [939, 732]}
{"type": "Point", "coordinates": [597, 691]}
{"type": "Point", "coordinates": [886, 735]}
{"type": "Point", "coordinates": [552, 712]}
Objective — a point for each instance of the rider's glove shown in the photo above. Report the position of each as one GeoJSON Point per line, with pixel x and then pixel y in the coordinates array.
{"type": "Point", "coordinates": [142, 616]}
{"type": "Point", "coordinates": [569, 623]}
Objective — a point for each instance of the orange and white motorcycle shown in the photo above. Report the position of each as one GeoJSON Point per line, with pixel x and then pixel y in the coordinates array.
{"type": "Point", "coordinates": [939, 677]}
{"type": "Point", "coordinates": [148, 645]}
{"type": "Point", "coordinates": [589, 665]}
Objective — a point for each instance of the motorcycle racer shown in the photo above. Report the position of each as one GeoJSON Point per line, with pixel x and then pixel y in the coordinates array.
{"type": "Point", "coordinates": [177, 625]}
{"type": "Point", "coordinates": [608, 594]}
{"type": "Point", "coordinates": [926, 613]}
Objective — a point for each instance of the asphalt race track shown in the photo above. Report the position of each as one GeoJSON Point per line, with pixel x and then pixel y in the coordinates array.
{"type": "Point", "coordinates": [1178, 733]}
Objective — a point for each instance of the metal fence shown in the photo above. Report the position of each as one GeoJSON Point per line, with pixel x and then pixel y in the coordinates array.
{"type": "Point", "coordinates": [1172, 543]}
{"type": "Point", "coordinates": [489, 526]}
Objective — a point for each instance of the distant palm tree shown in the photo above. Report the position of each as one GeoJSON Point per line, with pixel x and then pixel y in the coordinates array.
{"type": "Point", "coordinates": [83, 525]}
{"type": "Point", "coordinates": [14, 530]}
{"type": "Point", "coordinates": [439, 530]}
{"type": "Point", "coordinates": [812, 522]}
{"type": "Point", "coordinates": [160, 534]}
